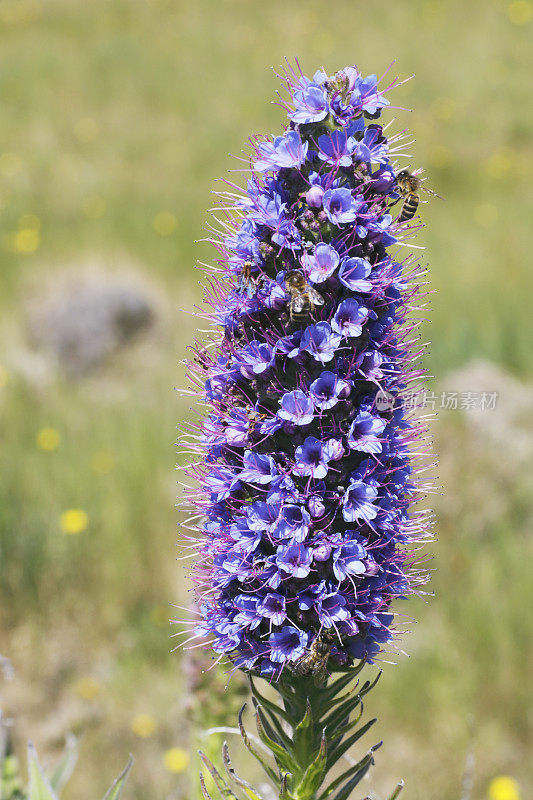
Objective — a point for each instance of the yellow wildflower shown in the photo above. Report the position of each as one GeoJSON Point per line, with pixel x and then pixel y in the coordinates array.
{"type": "Point", "coordinates": [176, 760]}
{"type": "Point", "coordinates": [88, 688]}
{"type": "Point", "coordinates": [504, 788]}
{"type": "Point", "coordinates": [143, 725]}
{"type": "Point", "coordinates": [164, 223]}
{"type": "Point", "coordinates": [520, 12]}
{"type": "Point", "coordinates": [74, 520]}
{"type": "Point", "coordinates": [26, 241]}
{"type": "Point", "coordinates": [48, 439]}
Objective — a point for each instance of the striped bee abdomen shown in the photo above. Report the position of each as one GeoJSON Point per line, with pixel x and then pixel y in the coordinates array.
{"type": "Point", "coordinates": [409, 207]}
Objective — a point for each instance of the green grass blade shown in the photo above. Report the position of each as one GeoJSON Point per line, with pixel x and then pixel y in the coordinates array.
{"type": "Point", "coordinates": [39, 788]}
{"type": "Point", "coordinates": [114, 791]}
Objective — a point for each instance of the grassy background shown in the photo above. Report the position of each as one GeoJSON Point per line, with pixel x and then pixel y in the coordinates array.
{"type": "Point", "coordinates": [116, 117]}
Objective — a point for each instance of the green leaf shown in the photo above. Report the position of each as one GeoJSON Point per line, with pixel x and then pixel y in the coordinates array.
{"type": "Point", "coordinates": [315, 773]}
{"type": "Point", "coordinates": [264, 701]}
{"type": "Point", "coordinates": [245, 786]}
{"type": "Point", "coordinates": [220, 783]}
{"type": "Point", "coordinates": [115, 789]}
{"type": "Point", "coordinates": [397, 791]}
{"type": "Point", "coordinates": [340, 716]}
{"type": "Point", "coordinates": [64, 768]}
{"type": "Point", "coordinates": [203, 787]}
{"type": "Point", "coordinates": [356, 772]}
{"type": "Point", "coordinates": [39, 788]}
{"type": "Point", "coordinates": [282, 739]}
{"type": "Point", "coordinates": [368, 685]}
{"type": "Point", "coordinates": [283, 757]}
{"type": "Point", "coordinates": [304, 734]}
{"type": "Point", "coordinates": [268, 769]}
{"type": "Point", "coordinates": [341, 749]}
{"type": "Point", "coordinates": [283, 790]}
{"type": "Point", "coordinates": [340, 732]}
{"type": "Point", "coordinates": [279, 731]}
{"type": "Point", "coordinates": [333, 689]}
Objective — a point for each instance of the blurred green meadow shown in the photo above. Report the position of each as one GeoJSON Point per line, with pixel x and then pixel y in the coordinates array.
{"type": "Point", "coordinates": [116, 117]}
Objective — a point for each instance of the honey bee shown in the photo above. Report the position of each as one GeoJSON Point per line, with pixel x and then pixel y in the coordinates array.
{"type": "Point", "coordinates": [314, 661]}
{"type": "Point", "coordinates": [409, 187]}
{"type": "Point", "coordinates": [303, 297]}
{"type": "Point", "coordinates": [247, 283]}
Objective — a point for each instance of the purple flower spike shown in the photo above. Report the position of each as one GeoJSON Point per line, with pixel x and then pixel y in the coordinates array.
{"type": "Point", "coordinates": [321, 264]}
{"type": "Point", "coordinates": [340, 206]}
{"type": "Point", "coordinates": [332, 608]}
{"type": "Point", "coordinates": [297, 407]}
{"type": "Point", "coordinates": [254, 359]}
{"type": "Point", "coordinates": [285, 151]}
{"type": "Point", "coordinates": [305, 480]}
{"type": "Point", "coordinates": [328, 389]}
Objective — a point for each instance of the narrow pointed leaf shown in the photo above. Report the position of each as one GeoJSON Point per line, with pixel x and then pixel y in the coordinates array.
{"type": "Point", "coordinates": [220, 783]}
{"type": "Point", "coordinates": [304, 733]}
{"type": "Point", "coordinates": [264, 701]}
{"type": "Point", "coordinates": [268, 769]}
{"type": "Point", "coordinates": [273, 721]}
{"type": "Point", "coordinates": [343, 748]}
{"type": "Point", "coordinates": [357, 772]}
{"type": "Point", "coordinates": [397, 791]}
{"type": "Point", "coordinates": [340, 683]}
{"type": "Point", "coordinates": [115, 790]}
{"type": "Point", "coordinates": [39, 788]}
{"type": "Point", "coordinates": [283, 756]}
{"type": "Point", "coordinates": [340, 716]}
{"type": "Point", "coordinates": [244, 785]}
{"type": "Point", "coordinates": [283, 791]}
{"type": "Point", "coordinates": [340, 732]}
{"type": "Point", "coordinates": [203, 787]}
{"type": "Point", "coordinates": [315, 772]}
{"type": "Point", "coordinates": [369, 685]}
{"type": "Point", "coordinates": [64, 768]}
{"type": "Point", "coordinates": [333, 689]}
{"type": "Point", "coordinates": [282, 740]}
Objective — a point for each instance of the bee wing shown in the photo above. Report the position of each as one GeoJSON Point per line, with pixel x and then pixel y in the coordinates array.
{"type": "Point", "coordinates": [315, 297]}
{"type": "Point", "coordinates": [298, 303]}
{"type": "Point", "coordinates": [321, 673]}
{"type": "Point", "coordinates": [430, 191]}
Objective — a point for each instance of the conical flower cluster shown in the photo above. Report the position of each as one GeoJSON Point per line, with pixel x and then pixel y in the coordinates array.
{"type": "Point", "coordinates": [309, 453]}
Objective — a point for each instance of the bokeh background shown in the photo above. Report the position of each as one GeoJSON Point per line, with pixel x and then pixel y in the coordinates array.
{"type": "Point", "coordinates": [116, 117]}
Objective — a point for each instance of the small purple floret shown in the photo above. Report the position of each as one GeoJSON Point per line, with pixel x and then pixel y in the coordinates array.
{"type": "Point", "coordinates": [340, 207]}
{"type": "Point", "coordinates": [285, 151]}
